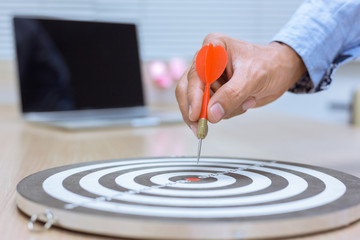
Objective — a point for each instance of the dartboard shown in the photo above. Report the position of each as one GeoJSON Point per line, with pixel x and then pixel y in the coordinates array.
{"type": "Point", "coordinates": [175, 198]}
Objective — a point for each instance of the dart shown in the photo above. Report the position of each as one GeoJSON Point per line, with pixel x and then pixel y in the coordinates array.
{"type": "Point", "coordinates": [210, 64]}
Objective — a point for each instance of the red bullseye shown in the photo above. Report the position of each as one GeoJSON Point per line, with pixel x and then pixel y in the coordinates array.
{"type": "Point", "coordinates": [192, 179]}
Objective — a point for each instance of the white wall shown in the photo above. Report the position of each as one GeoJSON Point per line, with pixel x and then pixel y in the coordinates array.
{"type": "Point", "coordinates": [166, 28]}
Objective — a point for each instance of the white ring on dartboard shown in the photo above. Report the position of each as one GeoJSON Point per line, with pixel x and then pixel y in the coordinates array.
{"type": "Point", "coordinates": [333, 190]}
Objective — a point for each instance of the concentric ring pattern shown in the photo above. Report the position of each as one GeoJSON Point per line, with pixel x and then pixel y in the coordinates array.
{"type": "Point", "coordinates": [224, 187]}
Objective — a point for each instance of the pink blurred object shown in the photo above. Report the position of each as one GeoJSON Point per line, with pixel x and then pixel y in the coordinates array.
{"type": "Point", "coordinates": [177, 67]}
{"type": "Point", "coordinates": [159, 74]}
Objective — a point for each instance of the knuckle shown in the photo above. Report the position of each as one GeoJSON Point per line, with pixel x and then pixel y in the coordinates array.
{"type": "Point", "coordinates": [231, 93]}
{"type": "Point", "coordinates": [235, 113]}
{"type": "Point", "coordinates": [259, 72]}
{"type": "Point", "coordinates": [213, 36]}
{"type": "Point", "coordinates": [180, 89]}
{"type": "Point", "coordinates": [191, 94]}
{"type": "Point", "coordinates": [209, 37]}
{"type": "Point", "coordinates": [191, 72]}
{"type": "Point", "coordinates": [260, 76]}
{"type": "Point", "coordinates": [177, 91]}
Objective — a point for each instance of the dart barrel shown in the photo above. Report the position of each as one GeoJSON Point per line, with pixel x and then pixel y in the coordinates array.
{"type": "Point", "coordinates": [202, 128]}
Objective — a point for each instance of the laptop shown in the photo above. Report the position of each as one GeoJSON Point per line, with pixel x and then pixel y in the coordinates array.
{"type": "Point", "coordinates": [81, 74]}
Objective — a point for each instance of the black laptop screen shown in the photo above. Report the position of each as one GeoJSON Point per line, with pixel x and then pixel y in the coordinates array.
{"type": "Point", "coordinates": [76, 65]}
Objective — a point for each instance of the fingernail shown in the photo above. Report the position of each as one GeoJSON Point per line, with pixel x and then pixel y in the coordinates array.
{"type": "Point", "coordinates": [193, 128]}
{"type": "Point", "coordinates": [217, 112]}
{"type": "Point", "coordinates": [249, 104]}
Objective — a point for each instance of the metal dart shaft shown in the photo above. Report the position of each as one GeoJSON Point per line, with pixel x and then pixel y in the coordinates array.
{"type": "Point", "coordinates": [199, 150]}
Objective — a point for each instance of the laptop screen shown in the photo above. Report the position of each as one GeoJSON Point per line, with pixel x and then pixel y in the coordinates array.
{"type": "Point", "coordinates": [77, 65]}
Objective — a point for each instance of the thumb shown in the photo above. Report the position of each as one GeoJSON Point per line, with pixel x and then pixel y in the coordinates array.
{"type": "Point", "coordinates": [228, 100]}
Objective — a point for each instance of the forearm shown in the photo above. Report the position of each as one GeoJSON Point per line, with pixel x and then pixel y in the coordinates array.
{"type": "Point", "coordinates": [324, 34]}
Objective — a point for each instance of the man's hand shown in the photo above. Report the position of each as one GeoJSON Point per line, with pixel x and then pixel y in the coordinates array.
{"type": "Point", "coordinates": [255, 75]}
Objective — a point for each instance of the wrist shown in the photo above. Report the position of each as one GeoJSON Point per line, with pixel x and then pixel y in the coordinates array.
{"type": "Point", "coordinates": [291, 61]}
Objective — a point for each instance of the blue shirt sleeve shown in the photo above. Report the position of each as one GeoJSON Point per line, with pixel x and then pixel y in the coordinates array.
{"type": "Point", "coordinates": [325, 34]}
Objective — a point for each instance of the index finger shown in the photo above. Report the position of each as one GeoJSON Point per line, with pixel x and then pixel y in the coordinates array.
{"type": "Point", "coordinates": [195, 91]}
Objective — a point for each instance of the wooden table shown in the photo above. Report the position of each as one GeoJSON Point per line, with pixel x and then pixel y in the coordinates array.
{"type": "Point", "coordinates": [26, 149]}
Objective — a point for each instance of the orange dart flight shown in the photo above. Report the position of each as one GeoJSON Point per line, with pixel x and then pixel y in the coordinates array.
{"type": "Point", "coordinates": [210, 64]}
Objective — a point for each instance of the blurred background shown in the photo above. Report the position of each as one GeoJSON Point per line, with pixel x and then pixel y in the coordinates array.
{"type": "Point", "coordinates": [172, 31]}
